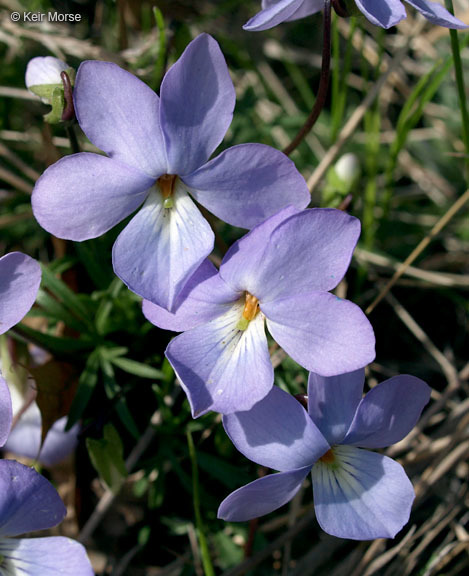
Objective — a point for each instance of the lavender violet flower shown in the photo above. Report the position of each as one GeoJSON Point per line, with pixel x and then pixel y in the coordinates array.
{"type": "Point", "coordinates": [358, 494]}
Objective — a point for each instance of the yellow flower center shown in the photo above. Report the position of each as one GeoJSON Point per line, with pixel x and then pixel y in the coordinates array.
{"type": "Point", "coordinates": [251, 309]}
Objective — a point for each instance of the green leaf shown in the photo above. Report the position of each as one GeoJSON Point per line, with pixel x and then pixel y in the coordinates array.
{"type": "Point", "coordinates": [59, 346]}
{"type": "Point", "coordinates": [86, 386]}
{"type": "Point", "coordinates": [107, 456]}
{"type": "Point", "coordinates": [137, 368]}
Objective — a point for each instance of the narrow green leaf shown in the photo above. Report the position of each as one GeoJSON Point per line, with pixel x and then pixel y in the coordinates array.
{"type": "Point", "coordinates": [86, 385]}
{"type": "Point", "coordinates": [107, 456]}
{"type": "Point", "coordinates": [137, 368]}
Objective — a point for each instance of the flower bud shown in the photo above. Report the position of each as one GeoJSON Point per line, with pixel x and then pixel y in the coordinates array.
{"type": "Point", "coordinates": [43, 79]}
{"type": "Point", "coordinates": [347, 168]}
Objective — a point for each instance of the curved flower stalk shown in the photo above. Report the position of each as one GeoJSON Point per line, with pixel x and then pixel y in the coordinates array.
{"type": "Point", "coordinates": [358, 494]}
{"type": "Point", "coordinates": [20, 277]}
{"type": "Point", "coordinates": [158, 150]}
{"type": "Point", "coordinates": [279, 273]}
{"type": "Point", "coordinates": [384, 13]}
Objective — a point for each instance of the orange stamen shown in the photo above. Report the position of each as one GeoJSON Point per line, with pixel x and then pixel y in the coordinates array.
{"type": "Point", "coordinates": [328, 457]}
{"type": "Point", "coordinates": [251, 307]}
{"type": "Point", "coordinates": [166, 184]}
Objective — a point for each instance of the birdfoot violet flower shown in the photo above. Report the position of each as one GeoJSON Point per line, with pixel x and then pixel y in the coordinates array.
{"type": "Point", "coordinates": [281, 273]}
{"type": "Point", "coordinates": [358, 494]}
{"type": "Point", "coordinates": [158, 150]}
{"type": "Point", "coordinates": [384, 13]}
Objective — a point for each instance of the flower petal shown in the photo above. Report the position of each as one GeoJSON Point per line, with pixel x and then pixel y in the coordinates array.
{"type": "Point", "coordinates": [28, 501]}
{"type": "Point", "coordinates": [247, 184]}
{"type": "Point", "coordinates": [45, 557]}
{"type": "Point", "coordinates": [120, 115]}
{"type": "Point", "coordinates": [306, 9]}
{"type": "Point", "coordinates": [160, 248]}
{"type": "Point", "coordinates": [197, 103]}
{"type": "Point", "coordinates": [262, 496]}
{"type": "Point", "coordinates": [5, 411]}
{"type": "Point", "coordinates": [273, 13]}
{"type": "Point", "coordinates": [243, 261]}
{"type": "Point", "coordinates": [388, 412]}
{"type": "Point", "coordinates": [20, 277]}
{"type": "Point", "coordinates": [84, 195]}
{"type": "Point", "coordinates": [333, 401]}
{"type": "Point", "coordinates": [436, 14]}
{"type": "Point", "coordinates": [220, 367]}
{"type": "Point", "coordinates": [203, 298]}
{"type": "Point", "coordinates": [385, 13]}
{"type": "Point", "coordinates": [309, 251]}
{"type": "Point", "coordinates": [276, 432]}
{"type": "Point", "coordinates": [44, 70]}
{"type": "Point", "coordinates": [321, 332]}
{"type": "Point", "coordinates": [362, 495]}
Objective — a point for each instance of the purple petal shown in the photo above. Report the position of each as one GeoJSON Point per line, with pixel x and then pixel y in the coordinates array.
{"type": "Point", "coordinates": [45, 557]}
{"type": "Point", "coordinates": [277, 432]}
{"type": "Point", "coordinates": [273, 13]}
{"type": "Point", "coordinates": [5, 411]}
{"type": "Point", "coordinates": [388, 412]}
{"type": "Point", "coordinates": [160, 248]}
{"type": "Point", "coordinates": [306, 9]}
{"type": "Point", "coordinates": [436, 14]}
{"type": "Point", "coordinates": [309, 251]}
{"type": "Point", "coordinates": [197, 103]}
{"type": "Point", "coordinates": [20, 277]}
{"type": "Point", "coordinates": [321, 332]}
{"type": "Point", "coordinates": [28, 501]}
{"type": "Point", "coordinates": [244, 260]}
{"type": "Point", "coordinates": [362, 495]}
{"type": "Point", "coordinates": [262, 496]}
{"type": "Point", "coordinates": [333, 401]}
{"type": "Point", "coordinates": [84, 195]}
{"type": "Point", "coordinates": [120, 115]}
{"type": "Point", "coordinates": [385, 13]}
{"type": "Point", "coordinates": [203, 298]}
{"type": "Point", "coordinates": [220, 367]}
{"type": "Point", "coordinates": [247, 184]}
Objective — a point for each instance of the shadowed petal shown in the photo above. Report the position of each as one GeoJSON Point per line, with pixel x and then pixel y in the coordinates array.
{"type": "Point", "coordinates": [247, 184]}
{"type": "Point", "coordinates": [197, 103]}
{"type": "Point", "coordinates": [385, 13]}
{"type": "Point", "coordinates": [273, 13]}
{"type": "Point", "coordinates": [220, 367]}
{"type": "Point", "coordinates": [333, 401]}
{"type": "Point", "coordinates": [242, 263]}
{"type": "Point", "coordinates": [262, 496]}
{"type": "Point", "coordinates": [203, 298]}
{"type": "Point", "coordinates": [5, 411]}
{"type": "Point", "coordinates": [45, 557]}
{"type": "Point", "coordinates": [309, 251]}
{"type": "Point", "coordinates": [321, 332]}
{"type": "Point", "coordinates": [28, 501]}
{"type": "Point", "coordinates": [276, 432]}
{"type": "Point", "coordinates": [20, 277]}
{"type": "Point", "coordinates": [436, 14]}
{"type": "Point", "coordinates": [306, 9]}
{"type": "Point", "coordinates": [388, 412]}
{"type": "Point", "coordinates": [362, 495]}
{"type": "Point", "coordinates": [120, 114]}
{"type": "Point", "coordinates": [84, 195]}
{"type": "Point", "coordinates": [160, 248]}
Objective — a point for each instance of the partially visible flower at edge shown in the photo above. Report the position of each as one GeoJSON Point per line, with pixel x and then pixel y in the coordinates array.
{"type": "Point", "coordinates": [383, 13]}
{"type": "Point", "coordinates": [280, 273]}
{"type": "Point", "coordinates": [158, 149]}
{"type": "Point", "coordinates": [20, 277]}
{"type": "Point", "coordinates": [358, 494]}
{"type": "Point", "coordinates": [29, 502]}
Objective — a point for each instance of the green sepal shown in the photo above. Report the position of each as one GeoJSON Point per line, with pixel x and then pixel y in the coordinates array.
{"type": "Point", "coordinates": [58, 104]}
{"type": "Point", "coordinates": [45, 91]}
